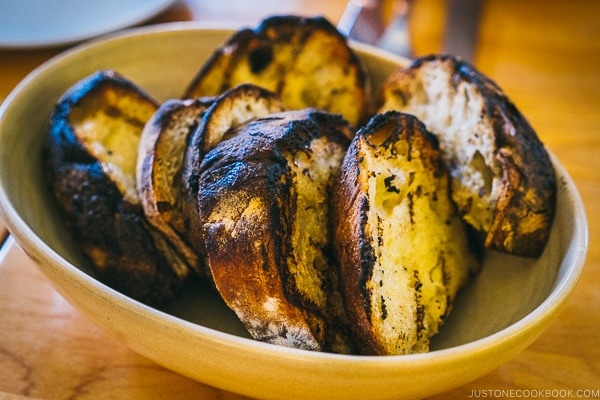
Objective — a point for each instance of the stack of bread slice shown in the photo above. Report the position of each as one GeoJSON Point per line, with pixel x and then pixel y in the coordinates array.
{"type": "Point", "coordinates": [322, 224]}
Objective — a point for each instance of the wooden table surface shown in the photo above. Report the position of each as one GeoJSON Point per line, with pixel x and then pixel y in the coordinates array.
{"type": "Point", "coordinates": [544, 53]}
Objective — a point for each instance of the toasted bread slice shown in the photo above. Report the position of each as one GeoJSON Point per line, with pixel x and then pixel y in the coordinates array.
{"type": "Point", "coordinates": [91, 157]}
{"type": "Point", "coordinates": [159, 168]}
{"type": "Point", "coordinates": [188, 126]}
{"type": "Point", "coordinates": [401, 244]}
{"type": "Point", "coordinates": [503, 178]}
{"type": "Point", "coordinates": [263, 210]}
{"type": "Point", "coordinates": [234, 107]}
{"type": "Point", "coordinates": [305, 61]}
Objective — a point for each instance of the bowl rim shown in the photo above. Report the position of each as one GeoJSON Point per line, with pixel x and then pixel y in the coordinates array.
{"type": "Point", "coordinates": [36, 248]}
{"type": "Point", "coordinates": [40, 252]}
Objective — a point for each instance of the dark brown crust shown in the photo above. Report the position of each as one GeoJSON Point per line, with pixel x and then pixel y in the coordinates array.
{"type": "Point", "coordinates": [248, 169]}
{"type": "Point", "coordinates": [257, 45]}
{"type": "Point", "coordinates": [260, 38]}
{"type": "Point", "coordinates": [95, 210]}
{"type": "Point", "coordinates": [199, 144]}
{"type": "Point", "coordinates": [172, 113]}
{"type": "Point", "coordinates": [528, 191]}
{"type": "Point", "coordinates": [356, 256]}
{"type": "Point", "coordinates": [239, 40]}
{"type": "Point", "coordinates": [528, 194]}
{"type": "Point", "coordinates": [350, 205]}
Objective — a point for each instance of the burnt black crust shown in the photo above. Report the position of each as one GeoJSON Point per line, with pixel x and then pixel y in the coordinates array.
{"type": "Point", "coordinates": [272, 30]}
{"type": "Point", "coordinates": [527, 166]}
{"type": "Point", "coordinates": [240, 39]}
{"type": "Point", "coordinates": [251, 163]}
{"type": "Point", "coordinates": [406, 126]}
{"type": "Point", "coordinates": [356, 257]}
{"type": "Point", "coordinates": [263, 141]}
{"type": "Point", "coordinates": [197, 148]}
{"type": "Point", "coordinates": [94, 209]}
{"type": "Point", "coordinates": [353, 246]}
{"type": "Point", "coordinates": [166, 118]}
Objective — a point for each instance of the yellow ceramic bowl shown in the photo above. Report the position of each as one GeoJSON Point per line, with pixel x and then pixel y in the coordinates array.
{"type": "Point", "coordinates": [502, 311]}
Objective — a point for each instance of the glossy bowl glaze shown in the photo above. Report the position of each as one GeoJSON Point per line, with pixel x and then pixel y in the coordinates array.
{"type": "Point", "coordinates": [504, 309]}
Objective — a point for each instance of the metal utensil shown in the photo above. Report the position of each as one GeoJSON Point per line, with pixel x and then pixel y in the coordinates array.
{"type": "Point", "coordinates": [362, 21]}
{"type": "Point", "coordinates": [462, 26]}
{"type": "Point", "coordinates": [365, 21]}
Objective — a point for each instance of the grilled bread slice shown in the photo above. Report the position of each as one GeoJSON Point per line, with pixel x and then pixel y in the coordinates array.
{"type": "Point", "coordinates": [91, 159]}
{"type": "Point", "coordinates": [305, 61]}
{"type": "Point", "coordinates": [263, 211]}
{"type": "Point", "coordinates": [402, 247]}
{"type": "Point", "coordinates": [160, 161]}
{"type": "Point", "coordinates": [234, 107]}
{"type": "Point", "coordinates": [502, 177]}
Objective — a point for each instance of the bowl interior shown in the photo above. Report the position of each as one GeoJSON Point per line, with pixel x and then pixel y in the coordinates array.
{"type": "Point", "coordinates": [163, 61]}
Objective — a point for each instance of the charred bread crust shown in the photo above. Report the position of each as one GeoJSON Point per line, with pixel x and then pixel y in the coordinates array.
{"type": "Point", "coordinates": [232, 108]}
{"type": "Point", "coordinates": [504, 181]}
{"type": "Point", "coordinates": [306, 61]}
{"type": "Point", "coordinates": [266, 233]}
{"type": "Point", "coordinates": [106, 217]}
{"type": "Point", "coordinates": [400, 242]}
{"type": "Point", "coordinates": [236, 106]}
{"type": "Point", "coordinates": [160, 166]}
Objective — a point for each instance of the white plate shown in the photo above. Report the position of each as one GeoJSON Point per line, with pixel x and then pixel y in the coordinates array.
{"type": "Point", "coordinates": [48, 23]}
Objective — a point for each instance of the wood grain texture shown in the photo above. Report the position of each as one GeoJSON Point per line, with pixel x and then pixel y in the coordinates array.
{"type": "Point", "coordinates": [545, 54]}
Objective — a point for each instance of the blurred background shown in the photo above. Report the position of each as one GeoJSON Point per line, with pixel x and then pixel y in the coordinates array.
{"type": "Point", "coordinates": [523, 45]}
